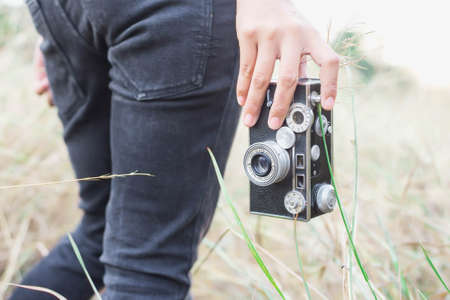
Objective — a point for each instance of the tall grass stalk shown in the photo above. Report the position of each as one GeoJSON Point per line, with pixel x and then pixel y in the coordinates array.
{"type": "Point", "coordinates": [355, 187]}
{"type": "Point", "coordinates": [249, 242]}
{"type": "Point", "coordinates": [211, 250]}
{"type": "Point", "coordinates": [421, 295]}
{"type": "Point", "coordinates": [236, 267]}
{"type": "Point", "coordinates": [435, 270]}
{"type": "Point", "coordinates": [83, 266]}
{"type": "Point", "coordinates": [14, 254]}
{"type": "Point", "coordinates": [299, 260]}
{"type": "Point", "coordinates": [101, 177]}
{"type": "Point", "coordinates": [281, 264]}
{"type": "Point", "coordinates": [39, 289]}
{"type": "Point", "coordinates": [402, 280]}
{"type": "Point", "coordinates": [344, 219]}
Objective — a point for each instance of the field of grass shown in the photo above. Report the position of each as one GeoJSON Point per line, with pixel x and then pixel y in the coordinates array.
{"type": "Point", "coordinates": [402, 193]}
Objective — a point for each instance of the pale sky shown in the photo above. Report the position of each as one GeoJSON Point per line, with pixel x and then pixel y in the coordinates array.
{"type": "Point", "coordinates": [412, 34]}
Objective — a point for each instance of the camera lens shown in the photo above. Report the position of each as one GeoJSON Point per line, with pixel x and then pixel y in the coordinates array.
{"type": "Point", "coordinates": [266, 163]}
{"type": "Point", "coordinates": [261, 164]}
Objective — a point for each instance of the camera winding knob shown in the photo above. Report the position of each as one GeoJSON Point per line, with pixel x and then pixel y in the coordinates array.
{"type": "Point", "coordinates": [325, 197]}
{"type": "Point", "coordinates": [295, 202]}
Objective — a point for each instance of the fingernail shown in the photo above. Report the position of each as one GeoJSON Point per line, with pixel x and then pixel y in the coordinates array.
{"type": "Point", "coordinates": [240, 100]}
{"type": "Point", "coordinates": [329, 103]}
{"type": "Point", "coordinates": [274, 123]}
{"type": "Point", "coordinates": [249, 120]}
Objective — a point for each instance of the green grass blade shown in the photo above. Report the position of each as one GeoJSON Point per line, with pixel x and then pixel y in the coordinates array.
{"type": "Point", "coordinates": [341, 210]}
{"type": "Point", "coordinates": [83, 266]}
{"type": "Point", "coordinates": [299, 260]}
{"type": "Point", "coordinates": [249, 242]}
{"type": "Point", "coordinates": [211, 250]}
{"type": "Point", "coordinates": [430, 262]}
{"type": "Point", "coordinates": [230, 262]}
{"type": "Point", "coordinates": [394, 258]}
{"type": "Point", "coordinates": [422, 295]}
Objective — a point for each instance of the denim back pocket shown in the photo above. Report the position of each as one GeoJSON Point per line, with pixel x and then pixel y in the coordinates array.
{"type": "Point", "coordinates": [158, 48]}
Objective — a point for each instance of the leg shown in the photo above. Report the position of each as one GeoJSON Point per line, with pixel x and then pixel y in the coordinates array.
{"type": "Point", "coordinates": [154, 224]}
{"type": "Point", "coordinates": [79, 79]}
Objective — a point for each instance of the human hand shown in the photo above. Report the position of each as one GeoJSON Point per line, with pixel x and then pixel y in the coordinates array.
{"type": "Point", "coordinates": [42, 85]}
{"type": "Point", "coordinates": [268, 30]}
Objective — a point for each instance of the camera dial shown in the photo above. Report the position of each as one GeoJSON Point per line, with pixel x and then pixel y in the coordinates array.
{"type": "Point", "coordinates": [325, 197]}
{"type": "Point", "coordinates": [299, 117]}
{"type": "Point", "coordinates": [266, 163]}
{"type": "Point", "coordinates": [294, 202]}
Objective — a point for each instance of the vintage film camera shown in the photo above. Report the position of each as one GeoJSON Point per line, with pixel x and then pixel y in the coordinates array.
{"type": "Point", "coordinates": [287, 168]}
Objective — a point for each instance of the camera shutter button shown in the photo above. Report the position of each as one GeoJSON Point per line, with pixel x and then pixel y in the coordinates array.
{"type": "Point", "coordinates": [314, 97]}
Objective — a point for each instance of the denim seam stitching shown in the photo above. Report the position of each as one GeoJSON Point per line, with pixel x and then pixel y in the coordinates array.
{"type": "Point", "coordinates": [218, 135]}
{"type": "Point", "coordinates": [196, 240]}
{"type": "Point", "coordinates": [40, 18]}
{"type": "Point", "coordinates": [61, 51]}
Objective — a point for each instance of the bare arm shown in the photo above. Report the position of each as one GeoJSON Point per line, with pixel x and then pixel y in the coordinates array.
{"type": "Point", "coordinates": [42, 85]}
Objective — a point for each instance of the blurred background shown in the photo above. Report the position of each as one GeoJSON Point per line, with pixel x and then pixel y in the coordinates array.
{"type": "Point", "coordinates": [396, 89]}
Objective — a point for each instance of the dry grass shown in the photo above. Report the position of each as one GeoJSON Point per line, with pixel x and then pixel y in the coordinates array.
{"type": "Point", "coordinates": [404, 166]}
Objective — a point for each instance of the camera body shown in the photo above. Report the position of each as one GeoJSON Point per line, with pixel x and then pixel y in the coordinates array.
{"type": "Point", "coordinates": [287, 168]}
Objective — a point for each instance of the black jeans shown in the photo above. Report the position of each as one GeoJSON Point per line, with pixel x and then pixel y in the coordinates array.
{"type": "Point", "coordinates": [139, 85]}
